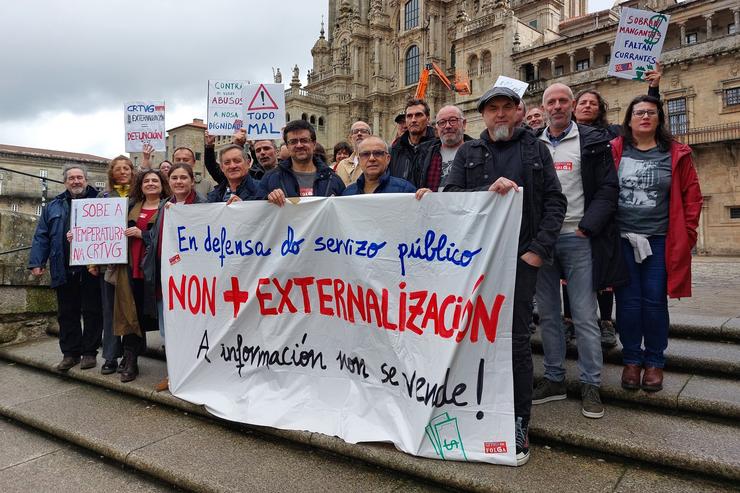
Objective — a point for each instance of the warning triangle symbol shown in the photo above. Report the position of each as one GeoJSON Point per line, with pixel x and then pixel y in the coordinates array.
{"type": "Point", "coordinates": [262, 100]}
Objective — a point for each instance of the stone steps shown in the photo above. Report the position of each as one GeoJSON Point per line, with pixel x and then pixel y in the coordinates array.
{"type": "Point", "coordinates": [703, 357]}
{"type": "Point", "coordinates": [682, 392]}
{"type": "Point", "coordinates": [32, 461]}
{"type": "Point", "coordinates": [628, 449]}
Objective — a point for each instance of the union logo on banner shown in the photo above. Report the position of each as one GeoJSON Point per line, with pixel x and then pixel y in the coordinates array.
{"type": "Point", "coordinates": [623, 67]}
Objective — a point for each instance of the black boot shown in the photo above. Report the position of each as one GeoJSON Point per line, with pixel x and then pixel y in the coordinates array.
{"type": "Point", "coordinates": [131, 367]}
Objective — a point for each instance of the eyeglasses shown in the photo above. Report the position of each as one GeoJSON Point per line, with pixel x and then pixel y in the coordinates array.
{"type": "Point", "coordinates": [295, 142]}
{"type": "Point", "coordinates": [375, 154]}
{"type": "Point", "coordinates": [356, 131]}
{"type": "Point", "coordinates": [451, 121]}
{"type": "Point", "coordinates": [642, 113]}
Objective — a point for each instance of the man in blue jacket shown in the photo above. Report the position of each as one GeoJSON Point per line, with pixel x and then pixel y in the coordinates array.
{"type": "Point", "coordinates": [302, 174]}
{"type": "Point", "coordinates": [374, 159]}
{"type": "Point", "coordinates": [78, 291]}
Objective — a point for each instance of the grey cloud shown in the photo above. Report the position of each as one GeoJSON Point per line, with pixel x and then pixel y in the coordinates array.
{"type": "Point", "coordinates": [82, 55]}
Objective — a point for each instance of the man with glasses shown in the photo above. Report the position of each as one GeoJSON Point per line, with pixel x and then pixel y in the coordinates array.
{"type": "Point", "coordinates": [436, 156]}
{"type": "Point", "coordinates": [348, 169]}
{"type": "Point", "coordinates": [586, 252]}
{"type": "Point", "coordinates": [404, 154]}
{"type": "Point", "coordinates": [301, 175]}
{"type": "Point", "coordinates": [374, 160]}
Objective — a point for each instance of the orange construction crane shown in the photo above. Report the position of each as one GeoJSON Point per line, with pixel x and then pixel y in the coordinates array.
{"type": "Point", "coordinates": [461, 87]}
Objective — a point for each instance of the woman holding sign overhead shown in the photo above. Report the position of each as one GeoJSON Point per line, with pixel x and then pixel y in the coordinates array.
{"type": "Point", "coordinates": [134, 309]}
{"type": "Point", "coordinates": [182, 184]}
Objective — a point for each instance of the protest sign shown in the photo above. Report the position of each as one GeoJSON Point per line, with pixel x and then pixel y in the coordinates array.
{"type": "Point", "coordinates": [264, 107]}
{"type": "Point", "coordinates": [341, 316]}
{"type": "Point", "coordinates": [144, 124]}
{"type": "Point", "coordinates": [515, 85]}
{"type": "Point", "coordinates": [225, 106]}
{"type": "Point", "coordinates": [97, 227]}
{"type": "Point", "coordinates": [639, 42]}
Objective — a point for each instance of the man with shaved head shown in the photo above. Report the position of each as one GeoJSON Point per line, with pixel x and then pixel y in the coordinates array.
{"type": "Point", "coordinates": [436, 156]}
{"type": "Point", "coordinates": [374, 160]}
{"type": "Point", "coordinates": [349, 169]}
{"type": "Point", "coordinates": [586, 251]}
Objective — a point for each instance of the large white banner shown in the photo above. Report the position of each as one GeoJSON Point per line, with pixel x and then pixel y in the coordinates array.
{"type": "Point", "coordinates": [372, 318]}
{"type": "Point", "coordinates": [639, 42]}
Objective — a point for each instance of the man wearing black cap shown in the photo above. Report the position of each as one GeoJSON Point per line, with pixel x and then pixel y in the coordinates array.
{"type": "Point", "coordinates": [506, 157]}
{"type": "Point", "coordinates": [400, 122]}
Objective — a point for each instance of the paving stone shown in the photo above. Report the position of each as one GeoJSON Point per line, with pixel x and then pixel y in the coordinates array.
{"type": "Point", "coordinates": [720, 357]}
{"type": "Point", "coordinates": [696, 325]}
{"type": "Point", "coordinates": [611, 384]}
{"type": "Point", "coordinates": [19, 385]}
{"type": "Point", "coordinates": [639, 479]}
{"type": "Point", "coordinates": [731, 329]}
{"type": "Point", "coordinates": [710, 395]}
{"type": "Point", "coordinates": [680, 442]}
{"type": "Point", "coordinates": [100, 420]}
{"type": "Point", "coordinates": [231, 461]}
{"type": "Point", "coordinates": [20, 445]}
{"type": "Point", "coordinates": [70, 470]}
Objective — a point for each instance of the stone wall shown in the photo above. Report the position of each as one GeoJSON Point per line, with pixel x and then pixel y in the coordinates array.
{"type": "Point", "coordinates": [27, 304]}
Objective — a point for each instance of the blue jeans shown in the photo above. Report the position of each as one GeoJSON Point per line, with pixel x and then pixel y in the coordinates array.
{"type": "Point", "coordinates": [572, 260]}
{"type": "Point", "coordinates": [160, 320]}
{"type": "Point", "coordinates": [642, 307]}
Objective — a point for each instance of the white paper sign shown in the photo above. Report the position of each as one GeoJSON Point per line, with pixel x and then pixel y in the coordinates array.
{"type": "Point", "coordinates": [639, 42]}
{"type": "Point", "coordinates": [340, 316]}
{"type": "Point", "coordinates": [144, 124]}
{"type": "Point", "coordinates": [97, 227]}
{"type": "Point", "coordinates": [264, 108]}
{"type": "Point", "coordinates": [225, 106]}
{"type": "Point", "coordinates": [515, 85]}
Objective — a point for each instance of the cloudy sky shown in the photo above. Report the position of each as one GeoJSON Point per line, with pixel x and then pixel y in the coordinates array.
{"type": "Point", "coordinates": [68, 66]}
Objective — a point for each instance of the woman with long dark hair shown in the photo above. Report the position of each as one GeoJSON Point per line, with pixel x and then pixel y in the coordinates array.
{"type": "Point", "coordinates": [134, 310]}
{"type": "Point", "coordinates": [657, 213]}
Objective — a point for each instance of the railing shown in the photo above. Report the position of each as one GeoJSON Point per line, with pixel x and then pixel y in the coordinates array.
{"type": "Point", "coordinates": [23, 193]}
{"type": "Point", "coordinates": [319, 98]}
{"type": "Point", "coordinates": [713, 133]}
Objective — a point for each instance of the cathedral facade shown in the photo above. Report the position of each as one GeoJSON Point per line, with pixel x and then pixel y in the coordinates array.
{"type": "Point", "coordinates": [367, 62]}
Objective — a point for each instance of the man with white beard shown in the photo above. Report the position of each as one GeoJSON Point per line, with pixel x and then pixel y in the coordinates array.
{"type": "Point", "coordinates": [506, 157]}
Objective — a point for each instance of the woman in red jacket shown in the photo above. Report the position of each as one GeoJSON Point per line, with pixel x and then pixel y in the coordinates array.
{"type": "Point", "coordinates": [658, 213]}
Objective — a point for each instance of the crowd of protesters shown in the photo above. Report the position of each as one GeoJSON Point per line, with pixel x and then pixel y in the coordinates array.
{"type": "Point", "coordinates": [607, 209]}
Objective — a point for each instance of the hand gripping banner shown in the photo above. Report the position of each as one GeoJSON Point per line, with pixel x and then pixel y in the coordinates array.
{"type": "Point", "coordinates": [372, 318]}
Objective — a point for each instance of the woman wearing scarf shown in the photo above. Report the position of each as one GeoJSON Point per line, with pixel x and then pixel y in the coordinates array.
{"type": "Point", "coordinates": [134, 309]}
{"type": "Point", "coordinates": [120, 179]}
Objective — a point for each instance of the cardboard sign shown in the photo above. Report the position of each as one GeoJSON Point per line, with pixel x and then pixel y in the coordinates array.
{"type": "Point", "coordinates": [144, 124]}
{"type": "Point", "coordinates": [515, 85]}
{"type": "Point", "coordinates": [314, 317]}
{"type": "Point", "coordinates": [225, 106]}
{"type": "Point", "coordinates": [639, 42]}
{"type": "Point", "coordinates": [264, 110]}
{"type": "Point", "coordinates": [97, 227]}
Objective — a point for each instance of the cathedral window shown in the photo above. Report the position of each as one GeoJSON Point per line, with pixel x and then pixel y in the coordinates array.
{"type": "Point", "coordinates": [412, 65]}
{"type": "Point", "coordinates": [411, 14]}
